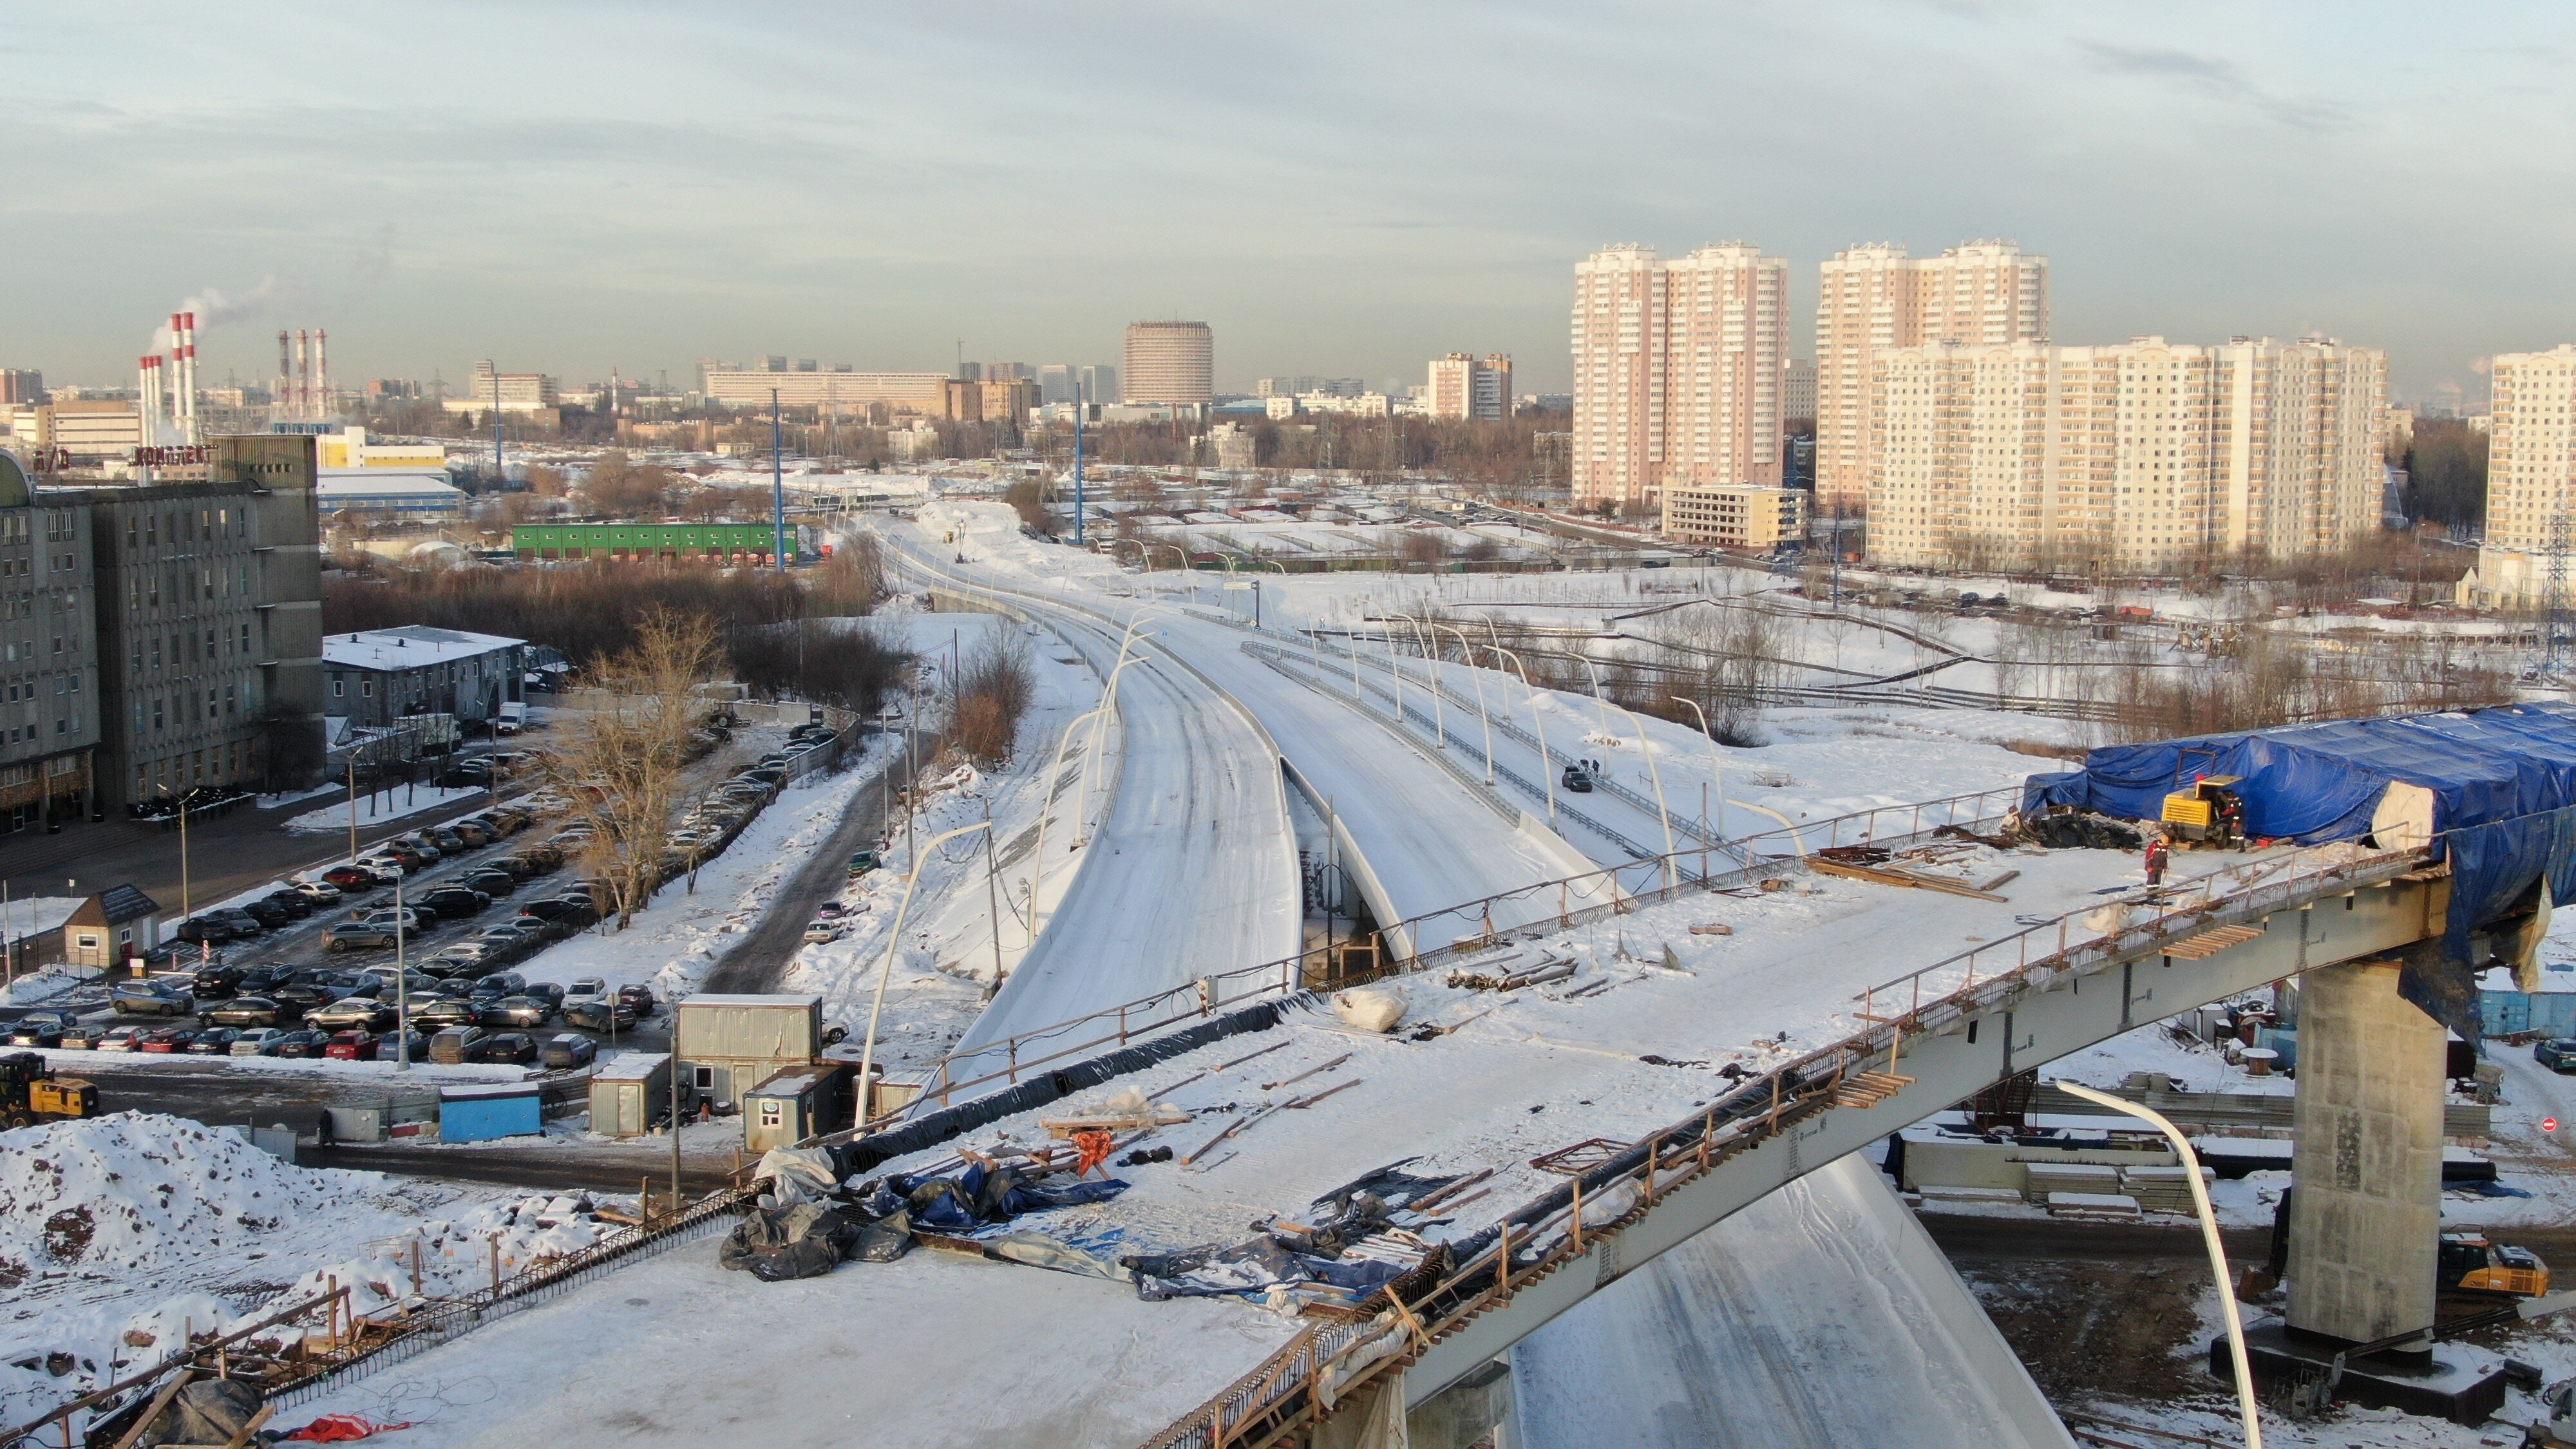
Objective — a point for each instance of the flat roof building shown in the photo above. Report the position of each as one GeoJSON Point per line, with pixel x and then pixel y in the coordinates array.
{"type": "Point", "coordinates": [377, 676]}
{"type": "Point", "coordinates": [1740, 518]}
{"type": "Point", "coordinates": [1170, 362]}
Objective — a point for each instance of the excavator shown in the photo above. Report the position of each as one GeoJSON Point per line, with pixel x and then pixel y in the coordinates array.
{"type": "Point", "coordinates": [30, 1093]}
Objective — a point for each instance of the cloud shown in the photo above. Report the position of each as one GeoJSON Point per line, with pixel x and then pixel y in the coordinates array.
{"type": "Point", "coordinates": [2218, 79]}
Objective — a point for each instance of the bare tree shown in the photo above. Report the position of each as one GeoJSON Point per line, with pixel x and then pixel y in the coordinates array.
{"type": "Point", "coordinates": [620, 764]}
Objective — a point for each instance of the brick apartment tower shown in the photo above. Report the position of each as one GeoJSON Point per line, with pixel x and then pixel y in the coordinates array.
{"type": "Point", "coordinates": [1677, 370]}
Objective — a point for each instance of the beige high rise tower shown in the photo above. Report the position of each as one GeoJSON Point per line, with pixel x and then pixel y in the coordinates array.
{"type": "Point", "coordinates": [1676, 372]}
{"type": "Point", "coordinates": [2531, 483]}
{"type": "Point", "coordinates": [1875, 298]}
{"type": "Point", "coordinates": [1170, 362]}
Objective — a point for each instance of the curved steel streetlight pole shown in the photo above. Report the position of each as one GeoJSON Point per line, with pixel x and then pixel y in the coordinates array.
{"type": "Point", "coordinates": [1599, 704]}
{"type": "Point", "coordinates": [1431, 666]}
{"type": "Point", "coordinates": [894, 942]}
{"type": "Point", "coordinates": [1716, 774]}
{"type": "Point", "coordinates": [1046, 808]}
{"type": "Point", "coordinates": [1546, 766]}
{"type": "Point", "coordinates": [1109, 696]}
{"type": "Point", "coordinates": [1476, 677]}
{"type": "Point", "coordinates": [1655, 772]}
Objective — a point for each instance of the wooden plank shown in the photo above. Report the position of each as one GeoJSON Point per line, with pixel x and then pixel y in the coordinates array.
{"type": "Point", "coordinates": [1900, 878]}
{"type": "Point", "coordinates": [153, 1410]}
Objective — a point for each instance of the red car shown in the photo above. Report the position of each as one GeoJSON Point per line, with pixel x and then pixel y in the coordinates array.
{"type": "Point", "coordinates": [168, 1039]}
{"type": "Point", "coordinates": [351, 1046]}
{"type": "Point", "coordinates": [348, 877]}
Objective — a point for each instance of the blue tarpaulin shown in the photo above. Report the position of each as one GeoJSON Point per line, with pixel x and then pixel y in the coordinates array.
{"type": "Point", "coordinates": [2503, 782]}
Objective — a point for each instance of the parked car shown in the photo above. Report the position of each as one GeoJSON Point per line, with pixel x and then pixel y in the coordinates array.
{"type": "Point", "coordinates": [602, 1014]}
{"type": "Point", "coordinates": [389, 1047]}
{"type": "Point", "coordinates": [639, 996]}
{"type": "Point", "coordinates": [387, 867]}
{"type": "Point", "coordinates": [243, 923]}
{"type": "Point", "coordinates": [40, 1029]}
{"type": "Point", "coordinates": [151, 998]}
{"type": "Point", "coordinates": [515, 1047]}
{"type": "Point", "coordinates": [350, 877]}
{"type": "Point", "coordinates": [455, 902]}
{"type": "Point", "coordinates": [303, 992]}
{"type": "Point", "coordinates": [247, 1011]}
{"type": "Point", "coordinates": [446, 839]}
{"type": "Point", "coordinates": [426, 849]}
{"type": "Point", "coordinates": [350, 1046]}
{"type": "Point", "coordinates": [293, 904]}
{"type": "Point", "coordinates": [167, 1039]}
{"type": "Point", "coordinates": [213, 983]}
{"type": "Point", "coordinates": [440, 1013]}
{"type": "Point", "coordinates": [1577, 779]}
{"type": "Point", "coordinates": [861, 862]}
{"type": "Point", "coordinates": [818, 932]}
{"type": "Point", "coordinates": [362, 1012]}
{"type": "Point", "coordinates": [575, 910]}
{"type": "Point", "coordinates": [517, 866]}
{"type": "Point", "coordinates": [471, 835]}
{"type": "Point", "coordinates": [464, 958]}
{"type": "Point", "coordinates": [202, 931]}
{"type": "Point", "coordinates": [214, 1041]}
{"type": "Point", "coordinates": [255, 1042]}
{"type": "Point", "coordinates": [457, 1044]}
{"type": "Point", "coordinates": [565, 1051]}
{"type": "Point", "coordinates": [299, 1044]}
{"type": "Point", "coordinates": [492, 881]}
{"type": "Point", "coordinates": [359, 936]}
{"type": "Point", "coordinates": [513, 1011]}
{"type": "Point", "coordinates": [121, 1038]}
{"type": "Point", "coordinates": [2556, 1053]}
{"type": "Point", "coordinates": [82, 1038]}
{"type": "Point", "coordinates": [587, 988]}
{"type": "Point", "coordinates": [321, 894]}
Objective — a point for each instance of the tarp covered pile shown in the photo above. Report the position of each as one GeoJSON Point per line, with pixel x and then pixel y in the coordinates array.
{"type": "Point", "coordinates": [1292, 1264]}
{"type": "Point", "coordinates": [807, 1223]}
{"type": "Point", "coordinates": [2494, 789]}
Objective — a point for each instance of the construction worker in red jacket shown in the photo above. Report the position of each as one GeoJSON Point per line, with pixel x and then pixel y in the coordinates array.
{"type": "Point", "coordinates": [2158, 854]}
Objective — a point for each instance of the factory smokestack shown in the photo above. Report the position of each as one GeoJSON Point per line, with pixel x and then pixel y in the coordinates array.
{"type": "Point", "coordinates": [322, 373]}
{"type": "Point", "coordinates": [148, 395]}
{"type": "Point", "coordinates": [187, 377]}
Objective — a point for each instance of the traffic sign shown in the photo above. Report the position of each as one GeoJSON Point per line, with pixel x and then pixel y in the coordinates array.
{"type": "Point", "coordinates": [2548, 1124]}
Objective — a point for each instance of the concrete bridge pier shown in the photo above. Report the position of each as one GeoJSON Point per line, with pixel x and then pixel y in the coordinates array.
{"type": "Point", "coordinates": [2366, 1203]}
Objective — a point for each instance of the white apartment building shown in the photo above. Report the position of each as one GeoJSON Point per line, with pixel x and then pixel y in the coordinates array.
{"type": "Point", "coordinates": [1875, 298]}
{"type": "Point", "coordinates": [2140, 457]}
{"type": "Point", "coordinates": [1170, 362]}
{"type": "Point", "coordinates": [924, 393]}
{"type": "Point", "coordinates": [1465, 386]}
{"type": "Point", "coordinates": [2531, 482]}
{"type": "Point", "coordinates": [1677, 371]}
{"type": "Point", "coordinates": [510, 392]}
{"type": "Point", "coordinates": [1797, 390]}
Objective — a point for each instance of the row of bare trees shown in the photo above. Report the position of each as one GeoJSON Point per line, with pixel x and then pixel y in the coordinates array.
{"type": "Point", "coordinates": [620, 759]}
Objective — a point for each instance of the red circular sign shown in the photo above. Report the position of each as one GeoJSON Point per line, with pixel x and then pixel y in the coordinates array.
{"type": "Point", "coordinates": [2548, 1124]}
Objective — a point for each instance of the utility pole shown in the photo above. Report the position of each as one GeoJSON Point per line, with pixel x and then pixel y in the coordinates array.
{"type": "Point", "coordinates": [498, 476]}
{"type": "Point", "coordinates": [777, 486]}
{"type": "Point", "coordinates": [1081, 405]}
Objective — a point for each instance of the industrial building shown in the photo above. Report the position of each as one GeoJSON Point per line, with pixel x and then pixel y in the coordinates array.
{"type": "Point", "coordinates": [376, 677]}
{"type": "Point", "coordinates": [919, 393]}
{"type": "Point", "coordinates": [49, 680]}
{"type": "Point", "coordinates": [727, 543]}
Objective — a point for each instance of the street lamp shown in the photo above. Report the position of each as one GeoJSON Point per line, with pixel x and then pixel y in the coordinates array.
{"type": "Point", "coordinates": [1082, 801]}
{"type": "Point", "coordinates": [1716, 775]}
{"type": "Point", "coordinates": [2209, 1235]}
{"type": "Point", "coordinates": [1476, 677]}
{"type": "Point", "coordinates": [1597, 701]}
{"type": "Point", "coordinates": [1546, 766]}
{"type": "Point", "coordinates": [1655, 772]}
{"type": "Point", "coordinates": [1431, 666]}
{"type": "Point", "coordinates": [1046, 801]}
{"type": "Point", "coordinates": [894, 942]}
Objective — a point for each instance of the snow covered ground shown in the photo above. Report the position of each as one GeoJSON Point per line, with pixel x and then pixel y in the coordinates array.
{"type": "Point", "coordinates": [378, 807]}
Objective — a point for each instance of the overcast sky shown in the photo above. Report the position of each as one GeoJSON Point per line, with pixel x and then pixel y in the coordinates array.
{"type": "Point", "coordinates": [1336, 188]}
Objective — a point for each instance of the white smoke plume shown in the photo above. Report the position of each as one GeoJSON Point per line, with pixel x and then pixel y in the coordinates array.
{"type": "Point", "coordinates": [215, 307]}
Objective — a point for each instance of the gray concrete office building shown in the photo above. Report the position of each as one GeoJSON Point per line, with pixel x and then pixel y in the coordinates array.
{"type": "Point", "coordinates": [49, 678]}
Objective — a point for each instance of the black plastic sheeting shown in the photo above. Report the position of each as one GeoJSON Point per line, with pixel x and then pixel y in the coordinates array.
{"type": "Point", "coordinates": [860, 1156]}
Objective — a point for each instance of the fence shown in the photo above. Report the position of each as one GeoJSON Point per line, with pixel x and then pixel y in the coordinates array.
{"type": "Point", "coordinates": [1299, 1383]}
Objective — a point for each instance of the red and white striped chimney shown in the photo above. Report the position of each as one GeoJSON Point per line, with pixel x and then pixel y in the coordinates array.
{"type": "Point", "coordinates": [148, 403]}
{"type": "Point", "coordinates": [188, 377]}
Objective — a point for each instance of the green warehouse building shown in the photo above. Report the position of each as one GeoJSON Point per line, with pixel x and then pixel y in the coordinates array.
{"type": "Point", "coordinates": [731, 543]}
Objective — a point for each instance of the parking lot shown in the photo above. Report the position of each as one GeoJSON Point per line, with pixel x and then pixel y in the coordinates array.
{"type": "Point", "coordinates": [322, 986]}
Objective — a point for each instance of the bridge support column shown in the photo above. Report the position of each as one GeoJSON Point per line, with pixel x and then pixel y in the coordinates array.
{"type": "Point", "coordinates": [2366, 1170]}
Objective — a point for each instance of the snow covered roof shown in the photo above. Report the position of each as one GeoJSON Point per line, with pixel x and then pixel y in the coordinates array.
{"type": "Point", "coordinates": [801, 1001]}
{"type": "Point", "coordinates": [335, 487]}
{"type": "Point", "coordinates": [409, 647]}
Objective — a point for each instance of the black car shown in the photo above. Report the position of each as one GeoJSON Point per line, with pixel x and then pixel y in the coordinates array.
{"type": "Point", "coordinates": [256, 980]}
{"type": "Point", "coordinates": [516, 1047]}
{"type": "Point", "coordinates": [40, 1029]}
{"type": "Point", "coordinates": [214, 983]}
{"type": "Point", "coordinates": [600, 1014]}
{"type": "Point", "coordinates": [440, 1013]}
{"type": "Point", "coordinates": [453, 902]}
{"type": "Point", "coordinates": [549, 992]}
{"type": "Point", "coordinates": [268, 913]}
{"type": "Point", "coordinates": [203, 931]}
{"type": "Point", "coordinates": [514, 1011]}
{"type": "Point", "coordinates": [389, 1046]}
{"type": "Point", "coordinates": [242, 922]}
{"type": "Point", "coordinates": [297, 1044]}
{"type": "Point", "coordinates": [499, 983]}
{"type": "Point", "coordinates": [247, 1012]}
{"type": "Point", "coordinates": [490, 880]}
{"type": "Point", "coordinates": [364, 1012]}
{"type": "Point", "coordinates": [214, 1042]}
{"type": "Point", "coordinates": [294, 903]}
{"type": "Point", "coordinates": [573, 909]}
{"type": "Point", "coordinates": [301, 996]}
{"type": "Point", "coordinates": [564, 1051]}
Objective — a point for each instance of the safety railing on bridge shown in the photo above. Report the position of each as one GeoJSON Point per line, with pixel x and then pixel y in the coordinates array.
{"type": "Point", "coordinates": [1466, 928]}
{"type": "Point", "coordinates": [1299, 1383]}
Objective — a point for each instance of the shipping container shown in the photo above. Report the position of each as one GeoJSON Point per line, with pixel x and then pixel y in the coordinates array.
{"type": "Point", "coordinates": [630, 1093]}
{"type": "Point", "coordinates": [482, 1113]}
{"type": "Point", "coordinates": [795, 1104]}
{"type": "Point", "coordinates": [727, 1044]}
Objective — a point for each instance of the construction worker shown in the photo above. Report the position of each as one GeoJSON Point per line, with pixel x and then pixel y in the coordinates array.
{"type": "Point", "coordinates": [2158, 854]}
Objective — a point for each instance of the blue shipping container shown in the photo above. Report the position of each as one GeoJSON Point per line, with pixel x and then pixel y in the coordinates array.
{"type": "Point", "coordinates": [2511, 1013]}
{"type": "Point", "coordinates": [480, 1114]}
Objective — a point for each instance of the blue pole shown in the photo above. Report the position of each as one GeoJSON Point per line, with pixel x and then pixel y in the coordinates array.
{"type": "Point", "coordinates": [1078, 410]}
{"type": "Point", "coordinates": [777, 487]}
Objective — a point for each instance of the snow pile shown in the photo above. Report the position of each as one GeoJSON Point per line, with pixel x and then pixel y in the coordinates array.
{"type": "Point", "coordinates": [137, 1192]}
{"type": "Point", "coordinates": [460, 1255]}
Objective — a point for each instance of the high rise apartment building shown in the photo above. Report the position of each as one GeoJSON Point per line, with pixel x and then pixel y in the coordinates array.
{"type": "Point", "coordinates": [2144, 456]}
{"type": "Point", "coordinates": [1677, 372]}
{"type": "Point", "coordinates": [49, 684]}
{"type": "Point", "coordinates": [2531, 484]}
{"type": "Point", "coordinates": [1875, 298]}
{"type": "Point", "coordinates": [1170, 362]}
{"type": "Point", "coordinates": [1466, 386]}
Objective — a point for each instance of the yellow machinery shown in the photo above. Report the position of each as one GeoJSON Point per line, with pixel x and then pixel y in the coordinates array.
{"type": "Point", "coordinates": [2208, 813]}
{"type": "Point", "coordinates": [2470, 1261]}
{"type": "Point", "coordinates": [31, 1093]}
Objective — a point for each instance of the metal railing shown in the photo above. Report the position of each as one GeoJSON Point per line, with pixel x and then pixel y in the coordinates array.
{"type": "Point", "coordinates": [1577, 900]}
{"type": "Point", "coordinates": [1550, 1232]}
